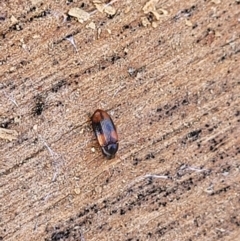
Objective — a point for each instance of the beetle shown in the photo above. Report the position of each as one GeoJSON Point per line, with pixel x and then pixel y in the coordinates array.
{"type": "Point", "coordinates": [105, 132]}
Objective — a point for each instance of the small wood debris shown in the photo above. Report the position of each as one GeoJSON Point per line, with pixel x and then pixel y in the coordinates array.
{"type": "Point", "coordinates": [99, 5]}
{"type": "Point", "coordinates": [216, 1]}
{"type": "Point", "coordinates": [150, 8]}
{"type": "Point", "coordinates": [80, 14]}
{"type": "Point", "coordinates": [8, 134]}
{"type": "Point", "coordinates": [188, 23]}
{"type": "Point", "coordinates": [77, 190]}
{"type": "Point", "coordinates": [12, 69]}
{"type": "Point", "coordinates": [17, 119]}
{"type": "Point", "coordinates": [35, 127]}
{"type": "Point", "coordinates": [125, 50]}
{"type": "Point", "coordinates": [104, 8]}
{"type": "Point", "coordinates": [36, 36]}
{"type": "Point", "coordinates": [91, 25]}
{"type": "Point", "coordinates": [36, 1]}
{"type": "Point", "coordinates": [98, 189]}
{"type": "Point", "coordinates": [109, 10]}
{"type": "Point", "coordinates": [13, 19]}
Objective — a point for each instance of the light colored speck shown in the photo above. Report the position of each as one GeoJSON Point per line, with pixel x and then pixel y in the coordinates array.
{"type": "Point", "coordinates": [104, 8]}
{"type": "Point", "coordinates": [80, 14]}
{"type": "Point", "coordinates": [125, 50]}
{"type": "Point", "coordinates": [91, 25]}
{"type": "Point", "coordinates": [24, 46]}
{"type": "Point", "coordinates": [109, 10]}
{"type": "Point", "coordinates": [154, 24]}
{"type": "Point", "coordinates": [17, 119]}
{"type": "Point", "coordinates": [35, 36]}
{"type": "Point", "coordinates": [13, 19]}
{"type": "Point", "coordinates": [12, 69]}
{"type": "Point", "coordinates": [81, 131]}
{"type": "Point", "coordinates": [36, 1]}
{"type": "Point", "coordinates": [77, 190]}
{"type": "Point", "coordinates": [188, 23]}
{"type": "Point", "coordinates": [216, 1]}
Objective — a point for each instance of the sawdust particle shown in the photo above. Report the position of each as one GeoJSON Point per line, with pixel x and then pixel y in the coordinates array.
{"type": "Point", "coordinates": [110, 10]}
{"type": "Point", "coordinates": [103, 8]}
{"type": "Point", "coordinates": [125, 50]}
{"type": "Point", "coordinates": [77, 190]}
{"type": "Point", "coordinates": [91, 25]}
{"type": "Point", "coordinates": [150, 7]}
{"type": "Point", "coordinates": [13, 19]}
{"type": "Point", "coordinates": [99, 6]}
{"type": "Point", "coordinates": [188, 23]}
{"type": "Point", "coordinates": [35, 127]}
{"type": "Point", "coordinates": [36, 36]}
{"type": "Point", "coordinates": [154, 24]}
{"type": "Point", "coordinates": [12, 69]}
{"type": "Point", "coordinates": [99, 32]}
{"type": "Point", "coordinates": [80, 14]}
{"type": "Point", "coordinates": [216, 1]}
{"type": "Point", "coordinates": [36, 1]}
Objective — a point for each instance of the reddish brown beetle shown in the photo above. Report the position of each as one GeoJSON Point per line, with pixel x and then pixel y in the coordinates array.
{"type": "Point", "coordinates": [105, 132]}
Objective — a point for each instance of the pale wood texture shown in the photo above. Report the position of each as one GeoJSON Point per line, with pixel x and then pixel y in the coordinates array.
{"type": "Point", "coordinates": [172, 89]}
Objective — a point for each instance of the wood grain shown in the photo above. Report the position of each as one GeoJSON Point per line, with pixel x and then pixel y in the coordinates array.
{"type": "Point", "coordinates": [173, 90]}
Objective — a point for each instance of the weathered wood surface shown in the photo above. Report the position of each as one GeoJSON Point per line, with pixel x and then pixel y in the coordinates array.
{"type": "Point", "coordinates": [173, 91]}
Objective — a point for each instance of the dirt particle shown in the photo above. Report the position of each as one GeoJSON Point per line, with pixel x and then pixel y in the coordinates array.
{"type": "Point", "coordinates": [194, 135]}
{"type": "Point", "coordinates": [39, 105]}
{"type": "Point", "coordinates": [149, 156]}
{"type": "Point", "coordinates": [58, 86]}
